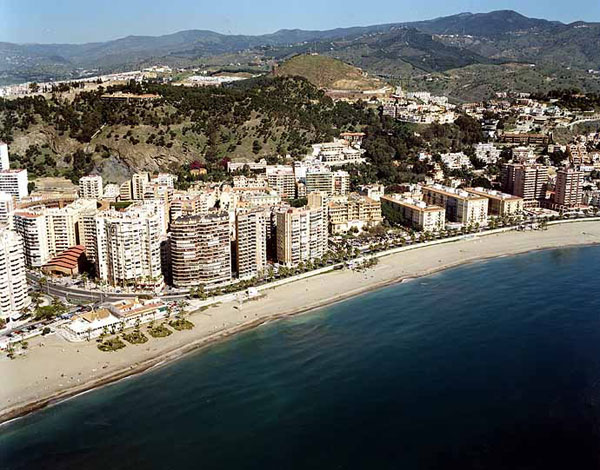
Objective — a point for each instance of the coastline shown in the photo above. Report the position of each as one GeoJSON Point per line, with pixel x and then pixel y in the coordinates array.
{"type": "Point", "coordinates": [26, 391]}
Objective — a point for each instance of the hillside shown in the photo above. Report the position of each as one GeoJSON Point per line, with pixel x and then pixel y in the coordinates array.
{"type": "Point", "coordinates": [258, 118]}
{"type": "Point", "coordinates": [327, 73]}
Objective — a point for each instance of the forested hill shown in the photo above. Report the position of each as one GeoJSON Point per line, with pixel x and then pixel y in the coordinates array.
{"type": "Point", "coordinates": [265, 117]}
{"type": "Point", "coordinates": [259, 118]}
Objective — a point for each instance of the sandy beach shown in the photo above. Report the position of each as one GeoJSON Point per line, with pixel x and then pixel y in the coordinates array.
{"type": "Point", "coordinates": [54, 369]}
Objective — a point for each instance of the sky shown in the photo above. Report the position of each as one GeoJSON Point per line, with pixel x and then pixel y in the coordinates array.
{"type": "Point", "coordinates": [78, 21]}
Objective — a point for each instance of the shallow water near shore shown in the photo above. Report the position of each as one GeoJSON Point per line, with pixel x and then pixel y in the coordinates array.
{"type": "Point", "coordinates": [491, 365]}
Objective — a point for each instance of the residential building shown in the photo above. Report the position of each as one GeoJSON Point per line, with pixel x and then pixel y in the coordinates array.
{"type": "Point", "coordinates": [300, 235]}
{"type": "Point", "coordinates": [460, 206]}
{"type": "Point", "coordinates": [487, 152]}
{"type": "Point", "coordinates": [64, 225]}
{"type": "Point", "coordinates": [13, 282]}
{"type": "Point", "coordinates": [201, 250]}
{"type": "Point", "coordinates": [7, 208]}
{"type": "Point", "coordinates": [337, 182]}
{"type": "Point", "coordinates": [499, 204]}
{"type": "Point", "coordinates": [128, 247]}
{"type": "Point", "coordinates": [90, 187]}
{"type": "Point", "coordinates": [283, 181]}
{"type": "Point", "coordinates": [4, 160]}
{"type": "Point", "coordinates": [251, 242]}
{"type": "Point", "coordinates": [526, 181]}
{"type": "Point", "coordinates": [32, 229]}
{"type": "Point", "coordinates": [568, 191]}
{"type": "Point", "coordinates": [354, 211]}
{"type": "Point", "coordinates": [14, 182]}
{"type": "Point", "coordinates": [413, 213]}
{"type": "Point", "coordinates": [138, 185]}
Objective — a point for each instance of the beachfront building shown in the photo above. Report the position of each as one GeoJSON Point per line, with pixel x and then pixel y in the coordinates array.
{"type": "Point", "coordinates": [412, 213]}
{"type": "Point", "coordinates": [301, 235]}
{"type": "Point", "coordinates": [251, 242]}
{"type": "Point", "coordinates": [14, 182]}
{"type": "Point", "coordinates": [90, 187]}
{"type": "Point", "coordinates": [32, 229]}
{"type": "Point", "coordinates": [499, 203]}
{"type": "Point", "coordinates": [128, 247]}
{"type": "Point", "coordinates": [568, 191]}
{"type": "Point", "coordinates": [460, 206]}
{"type": "Point", "coordinates": [201, 250]}
{"type": "Point", "coordinates": [114, 317]}
{"type": "Point", "coordinates": [13, 282]}
{"type": "Point", "coordinates": [137, 311]}
{"type": "Point", "coordinates": [354, 211]}
{"type": "Point", "coordinates": [90, 325]}
{"type": "Point", "coordinates": [526, 181]}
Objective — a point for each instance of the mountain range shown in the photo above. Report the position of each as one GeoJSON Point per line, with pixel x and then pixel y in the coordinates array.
{"type": "Point", "coordinates": [392, 50]}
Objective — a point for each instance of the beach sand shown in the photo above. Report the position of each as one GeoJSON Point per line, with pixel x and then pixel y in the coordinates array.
{"type": "Point", "coordinates": [55, 369]}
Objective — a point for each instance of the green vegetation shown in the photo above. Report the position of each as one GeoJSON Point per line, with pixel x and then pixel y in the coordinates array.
{"type": "Point", "coordinates": [121, 204]}
{"type": "Point", "coordinates": [181, 324]}
{"type": "Point", "coordinates": [255, 118]}
{"type": "Point", "coordinates": [111, 344]}
{"type": "Point", "coordinates": [159, 331]}
{"type": "Point", "coordinates": [51, 311]}
{"type": "Point", "coordinates": [135, 337]}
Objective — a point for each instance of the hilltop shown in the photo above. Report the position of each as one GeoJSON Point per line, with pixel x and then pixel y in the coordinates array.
{"type": "Point", "coordinates": [327, 73]}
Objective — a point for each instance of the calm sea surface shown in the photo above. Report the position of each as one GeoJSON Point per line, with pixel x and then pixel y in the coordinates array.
{"type": "Point", "coordinates": [494, 365]}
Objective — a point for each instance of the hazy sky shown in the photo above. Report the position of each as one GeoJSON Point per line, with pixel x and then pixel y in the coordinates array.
{"type": "Point", "coordinates": [76, 21]}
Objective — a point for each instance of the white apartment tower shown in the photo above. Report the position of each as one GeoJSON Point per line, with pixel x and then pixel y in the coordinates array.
{"type": "Point", "coordinates": [14, 182]}
{"type": "Point", "coordinates": [13, 282]}
{"type": "Point", "coordinates": [4, 160]}
{"type": "Point", "coordinates": [251, 243]}
{"type": "Point", "coordinates": [7, 207]}
{"type": "Point", "coordinates": [300, 235]}
{"type": "Point", "coordinates": [32, 229]}
{"type": "Point", "coordinates": [90, 187]}
{"type": "Point", "coordinates": [128, 248]}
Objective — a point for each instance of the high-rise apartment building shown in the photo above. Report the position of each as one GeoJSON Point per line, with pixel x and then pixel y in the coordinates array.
{"type": "Point", "coordinates": [283, 181]}
{"type": "Point", "coordinates": [526, 181]}
{"type": "Point", "coordinates": [128, 247]}
{"type": "Point", "coordinates": [251, 242]}
{"type": "Point", "coordinates": [14, 182]}
{"type": "Point", "coordinates": [32, 229]}
{"type": "Point", "coordinates": [300, 235]}
{"type": "Point", "coordinates": [568, 191]}
{"type": "Point", "coordinates": [138, 185]}
{"type": "Point", "coordinates": [90, 187]}
{"type": "Point", "coordinates": [7, 208]}
{"type": "Point", "coordinates": [13, 282]}
{"type": "Point", "coordinates": [4, 160]}
{"type": "Point", "coordinates": [201, 250]}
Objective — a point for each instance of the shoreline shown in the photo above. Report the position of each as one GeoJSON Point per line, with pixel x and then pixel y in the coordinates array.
{"type": "Point", "coordinates": [557, 236]}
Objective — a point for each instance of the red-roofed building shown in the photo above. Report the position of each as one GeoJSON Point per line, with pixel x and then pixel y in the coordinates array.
{"type": "Point", "coordinates": [69, 263]}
